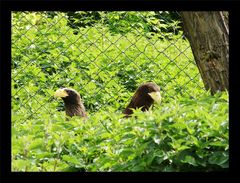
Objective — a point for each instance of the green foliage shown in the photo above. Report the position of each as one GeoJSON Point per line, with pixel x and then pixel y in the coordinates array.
{"type": "Point", "coordinates": [55, 57]}
{"type": "Point", "coordinates": [188, 132]}
{"type": "Point", "coordinates": [179, 136]}
{"type": "Point", "coordinates": [122, 22]}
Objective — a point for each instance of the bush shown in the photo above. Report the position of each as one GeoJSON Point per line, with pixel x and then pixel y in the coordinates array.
{"type": "Point", "coordinates": [164, 24]}
{"type": "Point", "coordinates": [178, 136]}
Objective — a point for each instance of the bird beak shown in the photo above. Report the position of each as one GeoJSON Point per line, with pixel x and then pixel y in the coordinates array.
{"type": "Point", "coordinates": [156, 96]}
{"type": "Point", "coordinates": [60, 93]}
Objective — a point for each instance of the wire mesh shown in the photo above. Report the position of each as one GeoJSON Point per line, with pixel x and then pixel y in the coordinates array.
{"type": "Point", "coordinates": [103, 55]}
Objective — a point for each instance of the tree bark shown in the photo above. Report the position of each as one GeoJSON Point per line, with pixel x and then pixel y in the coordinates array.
{"type": "Point", "coordinates": [208, 34]}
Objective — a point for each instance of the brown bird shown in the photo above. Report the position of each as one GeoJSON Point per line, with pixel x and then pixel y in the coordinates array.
{"type": "Point", "coordinates": [144, 97]}
{"type": "Point", "coordinates": [72, 102]}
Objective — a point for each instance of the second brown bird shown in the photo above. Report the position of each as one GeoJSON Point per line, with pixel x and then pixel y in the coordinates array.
{"type": "Point", "coordinates": [144, 97]}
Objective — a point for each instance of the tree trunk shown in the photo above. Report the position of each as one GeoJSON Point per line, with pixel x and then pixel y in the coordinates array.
{"type": "Point", "coordinates": [208, 34]}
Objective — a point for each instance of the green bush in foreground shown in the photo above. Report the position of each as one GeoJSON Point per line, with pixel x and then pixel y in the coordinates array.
{"type": "Point", "coordinates": [182, 135]}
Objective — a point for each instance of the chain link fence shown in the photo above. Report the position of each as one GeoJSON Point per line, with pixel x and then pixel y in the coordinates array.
{"type": "Point", "coordinates": [103, 55]}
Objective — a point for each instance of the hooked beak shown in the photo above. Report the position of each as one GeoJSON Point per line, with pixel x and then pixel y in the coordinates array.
{"type": "Point", "coordinates": [156, 96]}
{"type": "Point", "coordinates": [60, 93]}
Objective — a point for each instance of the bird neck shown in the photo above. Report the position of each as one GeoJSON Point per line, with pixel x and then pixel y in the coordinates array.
{"type": "Point", "coordinates": [76, 109]}
{"type": "Point", "coordinates": [145, 102]}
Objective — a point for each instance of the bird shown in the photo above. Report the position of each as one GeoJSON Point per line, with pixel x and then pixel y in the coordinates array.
{"type": "Point", "coordinates": [144, 97]}
{"type": "Point", "coordinates": [72, 102]}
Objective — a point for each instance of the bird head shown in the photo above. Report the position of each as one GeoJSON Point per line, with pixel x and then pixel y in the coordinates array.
{"type": "Point", "coordinates": [156, 96]}
{"type": "Point", "coordinates": [68, 95]}
{"type": "Point", "coordinates": [144, 97]}
{"type": "Point", "coordinates": [72, 101]}
{"type": "Point", "coordinates": [150, 89]}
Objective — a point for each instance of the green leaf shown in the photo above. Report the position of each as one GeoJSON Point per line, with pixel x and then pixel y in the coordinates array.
{"type": "Point", "coordinates": [71, 159]}
{"type": "Point", "coordinates": [219, 158]}
{"type": "Point", "coordinates": [190, 160]}
{"type": "Point", "coordinates": [156, 140]}
{"type": "Point", "coordinates": [20, 165]}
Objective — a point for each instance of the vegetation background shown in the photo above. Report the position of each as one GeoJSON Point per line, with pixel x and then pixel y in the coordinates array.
{"type": "Point", "coordinates": [106, 56]}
